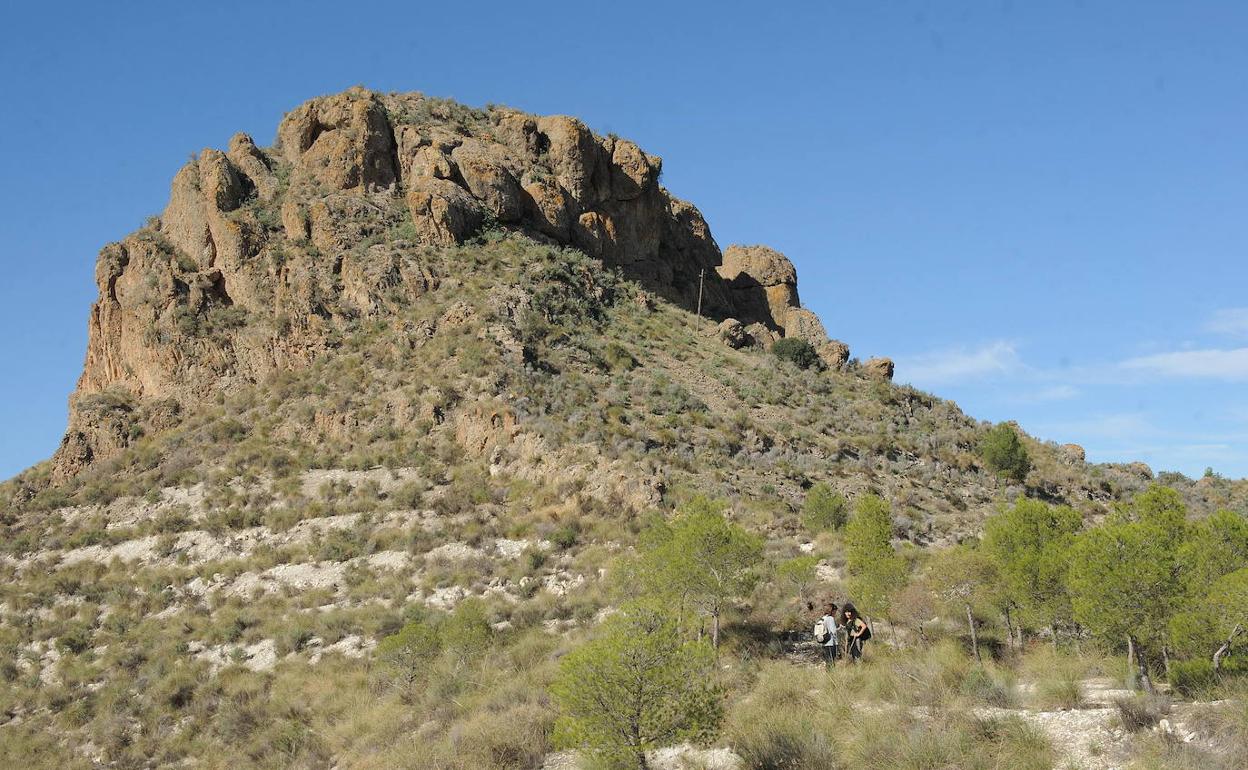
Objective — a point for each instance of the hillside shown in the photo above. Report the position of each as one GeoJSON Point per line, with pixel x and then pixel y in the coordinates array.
{"type": "Point", "coordinates": [413, 353]}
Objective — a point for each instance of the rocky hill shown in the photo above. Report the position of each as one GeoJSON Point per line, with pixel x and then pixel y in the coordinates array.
{"type": "Point", "coordinates": [266, 260]}
{"type": "Point", "coordinates": [416, 352]}
{"type": "Point", "coordinates": [261, 259]}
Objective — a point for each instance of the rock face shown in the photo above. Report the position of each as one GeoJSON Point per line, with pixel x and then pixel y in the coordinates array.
{"type": "Point", "coordinates": [262, 255]}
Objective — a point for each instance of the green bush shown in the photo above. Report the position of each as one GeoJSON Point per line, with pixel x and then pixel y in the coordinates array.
{"type": "Point", "coordinates": [566, 536]}
{"type": "Point", "coordinates": [618, 358]}
{"type": "Point", "coordinates": [824, 509]}
{"type": "Point", "coordinates": [638, 687]}
{"type": "Point", "coordinates": [1191, 677]}
{"type": "Point", "coordinates": [796, 351]}
{"type": "Point", "coordinates": [1004, 453]}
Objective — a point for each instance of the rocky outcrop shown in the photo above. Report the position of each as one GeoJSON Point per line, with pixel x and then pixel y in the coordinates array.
{"type": "Point", "coordinates": [879, 367]}
{"type": "Point", "coordinates": [763, 284]}
{"type": "Point", "coordinates": [803, 324]}
{"type": "Point", "coordinates": [341, 142]}
{"type": "Point", "coordinates": [1073, 454]}
{"type": "Point", "coordinates": [263, 255]}
{"type": "Point", "coordinates": [732, 333]}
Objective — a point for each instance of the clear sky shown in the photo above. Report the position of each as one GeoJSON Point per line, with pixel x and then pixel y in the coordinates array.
{"type": "Point", "coordinates": [1039, 209]}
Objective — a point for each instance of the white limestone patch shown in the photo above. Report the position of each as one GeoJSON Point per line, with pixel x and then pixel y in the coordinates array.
{"type": "Point", "coordinates": [826, 573]}
{"type": "Point", "coordinates": [562, 583]}
{"type": "Point", "coordinates": [453, 553]}
{"type": "Point", "coordinates": [682, 757]}
{"type": "Point", "coordinates": [352, 646]}
{"type": "Point", "coordinates": [445, 598]}
{"type": "Point", "coordinates": [330, 575]}
{"type": "Point", "coordinates": [140, 549]}
{"type": "Point", "coordinates": [387, 480]}
{"type": "Point", "coordinates": [200, 546]}
{"type": "Point", "coordinates": [261, 656]}
{"type": "Point", "coordinates": [511, 549]}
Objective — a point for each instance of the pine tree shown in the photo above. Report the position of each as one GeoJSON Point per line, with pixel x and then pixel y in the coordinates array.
{"type": "Point", "coordinates": [637, 687]}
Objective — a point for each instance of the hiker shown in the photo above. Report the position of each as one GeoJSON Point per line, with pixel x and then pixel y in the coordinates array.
{"type": "Point", "coordinates": [856, 630]}
{"type": "Point", "coordinates": [827, 635]}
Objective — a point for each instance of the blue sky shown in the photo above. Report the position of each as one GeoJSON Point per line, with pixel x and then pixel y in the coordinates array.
{"type": "Point", "coordinates": [1038, 209]}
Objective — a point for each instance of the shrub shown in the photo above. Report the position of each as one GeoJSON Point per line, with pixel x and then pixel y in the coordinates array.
{"type": "Point", "coordinates": [618, 358]}
{"type": "Point", "coordinates": [1004, 452]}
{"type": "Point", "coordinates": [1062, 692]}
{"type": "Point", "coordinates": [76, 639]}
{"type": "Point", "coordinates": [638, 687]}
{"type": "Point", "coordinates": [409, 652]}
{"type": "Point", "coordinates": [796, 351]}
{"type": "Point", "coordinates": [788, 721]}
{"type": "Point", "coordinates": [566, 536]}
{"type": "Point", "coordinates": [517, 737]}
{"type": "Point", "coordinates": [1141, 712]}
{"type": "Point", "coordinates": [824, 509]}
{"type": "Point", "coordinates": [1191, 677]}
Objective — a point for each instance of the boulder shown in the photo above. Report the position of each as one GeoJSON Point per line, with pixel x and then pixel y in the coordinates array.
{"type": "Point", "coordinates": [443, 212]}
{"type": "Point", "coordinates": [204, 189]}
{"type": "Point", "coordinates": [549, 208]}
{"type": "Point", "coordinates": [342, 142]}
{"type": "Point", "coordinates": [879, 367]}
{"type": "Point", "coordinates": [632, 171]}
{"type": "Point", "coordinates": [732, 333]}
{"type": "Point", "coordinates": [804, 324]}
{"type": "Point", "coordinates": [1072, 454]}
{"type": "Point", "coordinates": [295, 221]}
{"type": "Point", "coordinates": [763, 284]}
{"type": "Point", "coordinates": [485, 172]}
{"type": "Point", "coordinates": [762, 335]}
{"type": "Point", "coordinates": [835, 354]}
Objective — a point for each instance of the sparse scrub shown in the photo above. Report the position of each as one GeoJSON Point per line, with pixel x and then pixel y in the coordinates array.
{"type": "Point", "coordinates": [1141, 712]}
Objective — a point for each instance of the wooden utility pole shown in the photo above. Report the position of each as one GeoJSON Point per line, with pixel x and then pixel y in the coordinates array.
{"type": "Point", "coordinates": [701, 278]}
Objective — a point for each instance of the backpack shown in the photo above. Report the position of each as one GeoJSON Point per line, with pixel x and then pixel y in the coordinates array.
{"type": "Point", "coordinates": [821, 631]}
{"type": "Point", "coordinates": [866, 631]}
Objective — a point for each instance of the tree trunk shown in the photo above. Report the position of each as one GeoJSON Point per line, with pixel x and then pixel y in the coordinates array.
{"type": "Point", "coordinates": [1018, 629]}
{"type": "Point", "coordinates": [970, 622]}
{"type": "Point", "coordinates": [1131, 670]}
{"type": "Point", "coordinates": [1165, 660]}
{"type": "Point", "coordinates": [1009, 629]}
{"type": "Point", "coordinates": [1225, 649]}
{"type": "Point", "coordinates": [715, 629]}
{"type": "Point", "coordinates": [1138, 666]}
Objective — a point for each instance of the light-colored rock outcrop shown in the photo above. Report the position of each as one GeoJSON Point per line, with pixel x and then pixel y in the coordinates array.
{"type": "Point", "coordinates": [803, 324]}
{"type": "Point", "coordinates": [763, 284]}
{"type": "Point", "coordinates": [732, 332]}
{"type": "Point", "coordinates": [879, 367]}
{"type": "Point", "coordinates": [261, 256]}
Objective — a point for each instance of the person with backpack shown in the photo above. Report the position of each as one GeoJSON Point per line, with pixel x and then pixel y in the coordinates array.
{"type": "Point", "coordinates": [827, 635]}
{"type": "Point", "coordinates": [857, 631]}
